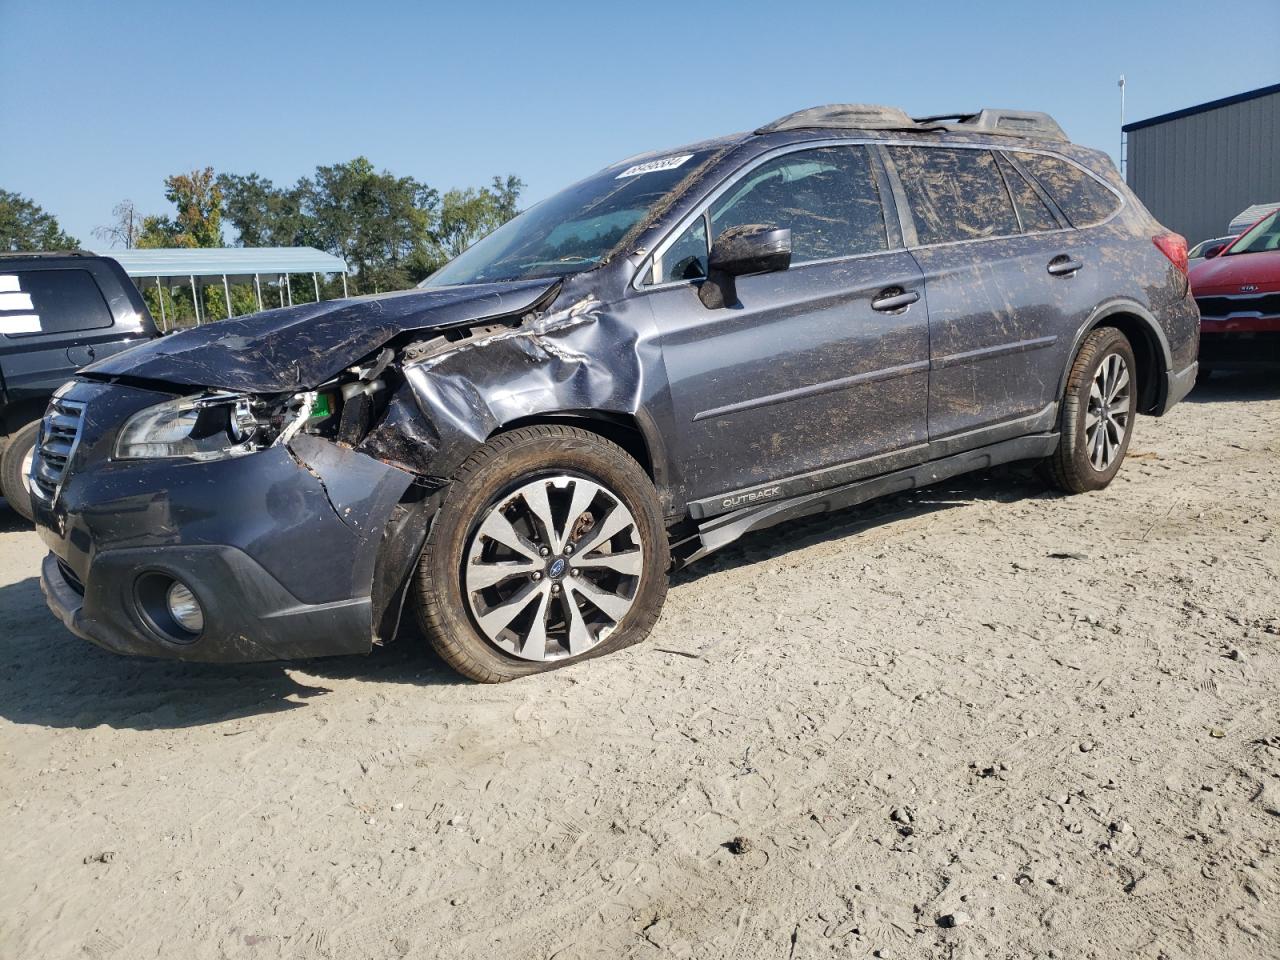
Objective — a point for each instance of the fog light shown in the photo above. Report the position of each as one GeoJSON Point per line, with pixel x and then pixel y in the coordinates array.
{"type": "Point", "coordinates": [185, 608]}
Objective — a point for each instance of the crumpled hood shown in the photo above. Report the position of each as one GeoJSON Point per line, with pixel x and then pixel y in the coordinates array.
{"type": "Point", "coordinates": [299, 348]}
{"type": "Point", "coordinates": [1223, 275]}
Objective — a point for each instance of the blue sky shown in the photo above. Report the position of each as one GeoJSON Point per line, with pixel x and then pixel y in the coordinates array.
{"type": "Point", "coordinates": [102, 100]}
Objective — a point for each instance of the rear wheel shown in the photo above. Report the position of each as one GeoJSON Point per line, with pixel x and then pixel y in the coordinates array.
{"type": "Point", "coordinates": [549, 549]}
{"type": "Point", "coordinates": [15, 469]}
{"type": "Point", "coordinates": [1098, 409]}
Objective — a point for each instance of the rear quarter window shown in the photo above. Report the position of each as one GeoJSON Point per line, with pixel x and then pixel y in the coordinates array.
{"type": "Point", "coordinates": [1083, 199]}
{"type": "Point", "coordinates": [1035, 216]}
{"type": "Point", "coordinates": [42, 302]}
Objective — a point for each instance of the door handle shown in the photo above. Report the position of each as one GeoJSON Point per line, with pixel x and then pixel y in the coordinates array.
{"type": "Point", "coordinates": [894, 298]}
{"type": "Point", "coordinates": [1064, 266]}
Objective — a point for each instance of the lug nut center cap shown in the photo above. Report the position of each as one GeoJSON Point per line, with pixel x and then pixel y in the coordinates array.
{"type": "Point", "coordinates": [557, 568]}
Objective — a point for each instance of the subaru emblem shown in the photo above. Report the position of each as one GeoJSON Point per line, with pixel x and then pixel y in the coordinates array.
{"type": "Point", "coordinates": [1248, 288]}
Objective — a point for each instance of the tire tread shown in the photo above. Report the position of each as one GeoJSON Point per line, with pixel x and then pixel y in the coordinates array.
{"type": "Point", "coordinates": [1063, 467]}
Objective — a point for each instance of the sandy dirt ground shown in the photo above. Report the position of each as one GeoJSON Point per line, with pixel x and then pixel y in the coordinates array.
{"type": "Point", "coordinates": [976, 721]}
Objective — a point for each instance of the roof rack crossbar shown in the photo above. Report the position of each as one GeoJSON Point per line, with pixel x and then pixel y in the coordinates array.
{"type": "Point", "coordinates": [998, 120]}
{"type": "Point", "coordinates": [939, 117]}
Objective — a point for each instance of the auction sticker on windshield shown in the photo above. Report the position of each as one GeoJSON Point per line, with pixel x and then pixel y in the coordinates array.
{"type": "Point", "coordinates": [653, 166]}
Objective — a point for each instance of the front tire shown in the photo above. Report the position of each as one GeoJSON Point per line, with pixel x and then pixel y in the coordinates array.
{"type": "Point", "coordinates": [548, 549]}
{"type": "Point", "coordinates": [1098, 410]}
{"type": "Point", "coordinates": [15, 469]}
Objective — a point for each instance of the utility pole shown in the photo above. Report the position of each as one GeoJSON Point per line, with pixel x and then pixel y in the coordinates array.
{"type": "Point", "coordinates": [1122, 157]}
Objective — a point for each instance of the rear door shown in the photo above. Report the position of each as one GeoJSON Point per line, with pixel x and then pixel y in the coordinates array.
{"type": "Point", "coordinates": [808, 371]}
{"type": "Point", "coordinates": [1007, 285]}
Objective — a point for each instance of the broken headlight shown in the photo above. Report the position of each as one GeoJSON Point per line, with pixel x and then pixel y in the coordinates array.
{"type": "Point", "coordinates": [195, 428]}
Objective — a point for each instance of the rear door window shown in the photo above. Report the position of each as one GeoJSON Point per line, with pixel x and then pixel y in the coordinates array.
{"type": "Point", "coordinates": [1083, 199]}
{"type": "Point", "coordinates": [954, 194]}
{"type": "Point", "coordinates": [37, 302]}
{"type": "Point", "coordinates": [828, 197]}
{"type": "Point", "coordinates": [1036, 217]}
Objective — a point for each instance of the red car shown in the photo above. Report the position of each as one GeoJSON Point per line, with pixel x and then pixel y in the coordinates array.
{"type": "Point", "coordinates": [1238, 292]}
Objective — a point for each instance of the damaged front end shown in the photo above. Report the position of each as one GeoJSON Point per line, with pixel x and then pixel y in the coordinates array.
{"type": "Point", "coordinates": [295, 513]}
{"type": "Point", "coordinates": [292, 544]}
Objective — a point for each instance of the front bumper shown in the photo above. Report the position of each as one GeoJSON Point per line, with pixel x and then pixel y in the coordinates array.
{"type": "Point", "coordinates": [250, 616]}
{"type": "Point", "coordinates": [1248, 323]}
{"type": "Point", "coordinates": [282, 548]}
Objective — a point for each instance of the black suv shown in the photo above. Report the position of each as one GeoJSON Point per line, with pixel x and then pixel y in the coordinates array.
{"type": "Point", "coordinates": [679, 349]}
{"type": "Point", "coordinates": [58, 311]}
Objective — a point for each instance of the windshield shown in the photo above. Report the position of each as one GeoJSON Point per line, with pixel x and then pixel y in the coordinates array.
{"type": "Point", "coordinates": [571, 231]}
{"type": "Point", "coordinates": [1264, 235]}
{"type": "Point", "coordinates": [1199, 248]}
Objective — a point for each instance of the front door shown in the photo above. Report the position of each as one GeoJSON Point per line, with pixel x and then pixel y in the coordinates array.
{"type": "Point", "coordinates": [815, 367]}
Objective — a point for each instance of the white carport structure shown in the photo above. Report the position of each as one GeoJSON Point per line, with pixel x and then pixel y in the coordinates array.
{"type": "Point", "coordinates": [227, 265]}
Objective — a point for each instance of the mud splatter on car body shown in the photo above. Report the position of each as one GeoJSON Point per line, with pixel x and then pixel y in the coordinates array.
{"type": "Point", "coordinates": [939, 342]}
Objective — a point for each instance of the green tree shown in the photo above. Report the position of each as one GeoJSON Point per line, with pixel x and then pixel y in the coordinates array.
{"type": "Point", "coordinates": [262, 214]}
{"type": "Point", "coordinates": [377, 222]}
{"type": "Point", "coordinates": [468, 215]}
{"type": "Point", "coordinates": [24, 226]}
{"type": "Point", "coordinates": [198, 221]}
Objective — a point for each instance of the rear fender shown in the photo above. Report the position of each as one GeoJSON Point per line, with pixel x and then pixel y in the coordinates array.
{"type": "Point", "coordinates": [1133, 318]}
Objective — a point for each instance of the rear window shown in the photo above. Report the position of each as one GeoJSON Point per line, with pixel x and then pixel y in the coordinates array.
{"type": "Point", "coordinates": [955, 194]}
{"type": "Point", "coordinates": [39, 302]}
{"type": "Point", "coordinates": [1083, 199]}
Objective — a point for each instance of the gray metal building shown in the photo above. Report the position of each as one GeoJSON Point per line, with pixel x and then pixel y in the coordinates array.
{"type": "Point", "coordinates": [1197, 168]}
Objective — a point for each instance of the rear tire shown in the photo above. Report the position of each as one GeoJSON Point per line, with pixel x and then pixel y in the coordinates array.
{"type": "Point", "coordinates": [1098, 410]}
{"type": "Point", "coordinates": [15, 464]}
{"type": "Point", "coordinates": [549, 549]}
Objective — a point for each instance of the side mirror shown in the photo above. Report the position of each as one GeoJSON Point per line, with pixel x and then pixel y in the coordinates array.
{"type": "Point", "coordinates": [739, 251]}
{"type": "Point", "coordinates": [1213, 250]}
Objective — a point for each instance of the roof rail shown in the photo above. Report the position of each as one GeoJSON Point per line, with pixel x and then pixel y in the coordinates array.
{"type": "Point", "coordinates": [29, 254]}
{"type": "Point", "coordinates": [865, 116]}
{"type": "Point", "coordinates": [1008, 123]}
{"type": "Point", "coordinates": [842, 116]}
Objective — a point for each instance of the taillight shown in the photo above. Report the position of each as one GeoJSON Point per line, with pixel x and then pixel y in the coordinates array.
{"type": "Point", "coordinates": [1173, 246]}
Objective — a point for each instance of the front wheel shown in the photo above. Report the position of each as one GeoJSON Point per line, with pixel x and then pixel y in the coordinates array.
{"type": "Point", "coordinates": [548, 549]}
{"type": "Point", "coordinates": [1098, 409]}
{"type": "Point", "coordinates": [15, 469]}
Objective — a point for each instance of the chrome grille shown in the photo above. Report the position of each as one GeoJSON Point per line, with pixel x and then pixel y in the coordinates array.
{"type": "Point", "coordinates": [59, 434]}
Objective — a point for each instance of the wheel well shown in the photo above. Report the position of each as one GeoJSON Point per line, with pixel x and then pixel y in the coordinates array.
{"type": "Point", "coordinates": [18, 415]}
{"type": "Point", "coordinates": [1147, 355]}
{"type": "Point", "coordinates": [618, 428]}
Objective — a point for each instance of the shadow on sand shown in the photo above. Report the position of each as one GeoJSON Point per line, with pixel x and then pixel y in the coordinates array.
{"type": "Point", "coordinates": [52, 678]}
{"type": "Point", "coordinates": [1228, 386]}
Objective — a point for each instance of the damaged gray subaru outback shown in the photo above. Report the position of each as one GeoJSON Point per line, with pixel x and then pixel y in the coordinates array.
{"type": "Point", "coordinates": [682, 348]}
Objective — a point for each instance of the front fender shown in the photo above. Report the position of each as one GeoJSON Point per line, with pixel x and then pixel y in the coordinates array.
{"type": "Point", "coordinates": [456, 394]}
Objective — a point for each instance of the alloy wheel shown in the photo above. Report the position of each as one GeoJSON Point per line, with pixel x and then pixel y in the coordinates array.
{"type": "Point", "coordinates": [553, 567]}
{"type": "Point", "coordinates": [1106, 420]}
